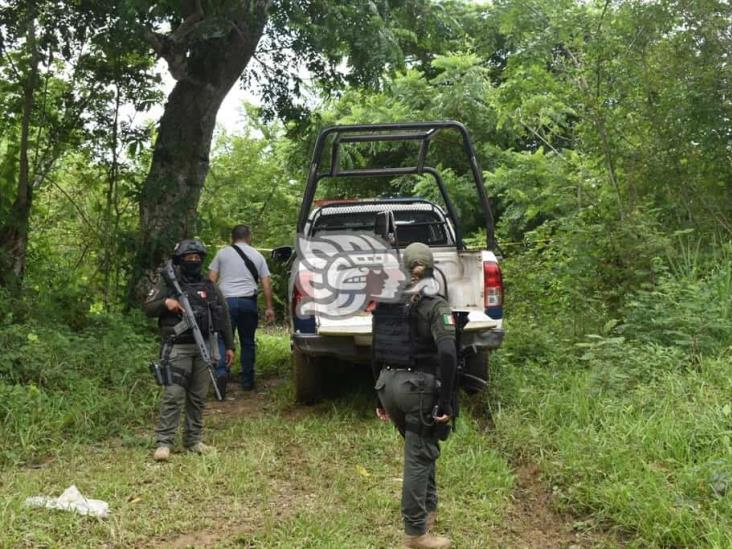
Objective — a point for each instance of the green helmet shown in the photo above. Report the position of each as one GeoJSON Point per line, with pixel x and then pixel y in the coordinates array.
{"type": "Point", "coordinates": [188, 246]}
{"type": "Point", "coordinates": [420, 253]}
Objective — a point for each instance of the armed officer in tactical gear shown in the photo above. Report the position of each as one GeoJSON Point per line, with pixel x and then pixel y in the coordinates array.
{"type": "Point", "coordinates": [414, 363]}
{"type": "Point", "coordinates": [190, 376]}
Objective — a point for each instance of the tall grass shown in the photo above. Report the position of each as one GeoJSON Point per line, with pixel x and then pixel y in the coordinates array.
{"type": "Point", "coordinates": [320, 476]}
{"type": "Point", "coordinates": [59, 386]}
{"type": "Point", "coordinates": [690, 305]}
{"type": "Point", "coordinates": [632, 426]}
{"type": "Point", "coordinates": [629, 418]}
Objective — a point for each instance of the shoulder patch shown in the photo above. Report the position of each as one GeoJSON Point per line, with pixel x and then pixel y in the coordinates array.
{"type": "Point", "coordinates": [448, 320]}
{"type": "Point", "coordinates": [153, 292]}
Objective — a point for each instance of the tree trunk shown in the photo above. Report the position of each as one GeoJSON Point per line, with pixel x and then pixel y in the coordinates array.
{"type": "Point", "coordinates": [14, 234]}
{"type": "Point", "coordinates": [111, 209]}
{"type": "Point", "coordinates": [180, 161]}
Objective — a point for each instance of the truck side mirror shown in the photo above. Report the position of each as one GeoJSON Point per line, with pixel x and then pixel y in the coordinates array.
{"type": "Point", "coordinates": [385, 227]}
{"type": "Point", "coordinates": [282, 254]}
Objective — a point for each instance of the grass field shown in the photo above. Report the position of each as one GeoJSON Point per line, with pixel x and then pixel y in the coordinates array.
{"type": "Point", "coordinates": [649, 460]}
{"type": "Point", "coordinates": [283, 476]}
{"type": "Point", "coordinates": [630, 447]}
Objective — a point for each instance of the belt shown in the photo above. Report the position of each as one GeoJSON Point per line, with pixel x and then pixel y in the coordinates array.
{"type": "Point", "coordinates": [426, 370]}
{"type": "Point", "coordinates": [243, 297]}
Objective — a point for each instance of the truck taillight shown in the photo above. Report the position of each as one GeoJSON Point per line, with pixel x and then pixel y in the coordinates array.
{"type": "Point", "coordinates": [296, 298]}
{"type": "Point", "coordinates": [493, 289]}
{"type": "Point", "coordinates": [301, 288]}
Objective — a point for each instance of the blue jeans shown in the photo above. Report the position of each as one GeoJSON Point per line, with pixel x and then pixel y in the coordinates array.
{"type": "Point", "coordinates": [244, 320]}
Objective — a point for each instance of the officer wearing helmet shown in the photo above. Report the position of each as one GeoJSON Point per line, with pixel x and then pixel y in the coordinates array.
{"type": "Point", "coordinates": [415, 363]}
{"type": "Point", "coordinates": [189, 374]}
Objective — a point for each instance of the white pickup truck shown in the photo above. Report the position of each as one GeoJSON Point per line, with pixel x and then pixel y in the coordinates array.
{"type": "Point", "coordinates": [470, 279]}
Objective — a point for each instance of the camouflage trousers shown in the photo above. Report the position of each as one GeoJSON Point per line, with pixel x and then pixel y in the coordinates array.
{"type": "Point", "coordinates": [177, 398]}
{"type": "Point", "coordinates": [408, 397]}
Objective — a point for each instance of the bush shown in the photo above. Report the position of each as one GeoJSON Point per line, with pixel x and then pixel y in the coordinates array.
{"type": "Point", "coordinates": [61, 386]}
{"type": "Point", "coordinates": [645, 454]}
{"type": "Point", "coordinates": [273, 353]}
{"type": "Point", "coordinates": [628, 416]}
{"type": "Point", "coordinates": [690, 306]}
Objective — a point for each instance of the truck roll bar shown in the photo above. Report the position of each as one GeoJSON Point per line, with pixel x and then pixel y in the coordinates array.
{"type": "Point", "coordinates": [422, 132]}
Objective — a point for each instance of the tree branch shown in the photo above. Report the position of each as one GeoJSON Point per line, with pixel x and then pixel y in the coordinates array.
{"type": "Point", "coordinates": [268, 69]}
{"type": "Point", "coordinates": [193, 14]}
{"type": "Point", "coordinates": [79, 209]}
{"type": "Point", "coordinates": [165, 48]}
{"type": "Point", "coordinates": [541, 138]}
{"type": "Point", "coordinates": [173, 46]}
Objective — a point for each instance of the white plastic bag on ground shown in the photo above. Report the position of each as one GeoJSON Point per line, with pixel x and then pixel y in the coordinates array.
{"type": "Point", "coordinates": [71, 500]}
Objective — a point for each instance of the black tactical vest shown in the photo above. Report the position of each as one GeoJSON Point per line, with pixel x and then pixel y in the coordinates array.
{"type": "Point", "coordinates": [397, 339]}
{"type": "Point", "coordinates": [206, 308]}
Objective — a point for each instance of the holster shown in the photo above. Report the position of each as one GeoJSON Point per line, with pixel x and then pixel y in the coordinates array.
{"type": "Point", "coordinates": [165, 374]}
{"type": "Point", "coordinates": [161, 373]}
{"type": "Point", "coordinates": [180, 377]}
{"type": "Point", "coordinates": [440, 431]}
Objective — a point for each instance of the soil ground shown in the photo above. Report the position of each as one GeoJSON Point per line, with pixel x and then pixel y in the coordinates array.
{"type": "Point", "coordinates": [530, 523]}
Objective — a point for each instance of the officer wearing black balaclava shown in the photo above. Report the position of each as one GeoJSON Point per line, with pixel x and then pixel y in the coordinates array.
{"type": "Point", "coordinates": [189, 374]}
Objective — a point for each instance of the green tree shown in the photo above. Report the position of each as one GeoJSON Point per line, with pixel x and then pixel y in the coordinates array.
{"type": "Point", "coordinates": [209, 46]}
{"type": "Point", "coordinates": [250, 183]}
{"type": "Point", "coordinates": [454, 86]}
{"type": "Point", "coordinates": [637, 88]}
{"type": "Point", "coordinates": [60, 73]}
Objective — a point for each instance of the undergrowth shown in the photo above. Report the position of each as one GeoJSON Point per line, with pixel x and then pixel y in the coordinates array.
{"type": "Point", "coordinates": [282, 476]}
{"type": "Point", "coordinates": [625, 409]}
{"type": "Point", "coordinates": [61, 386]}
{"type": "Point", "coordinates": [631, 424]}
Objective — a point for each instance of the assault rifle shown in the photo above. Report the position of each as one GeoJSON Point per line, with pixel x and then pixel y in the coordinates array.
{"type": "Point", "coordinates": [189, 323]}
{"type": "Point", "coordinates": [462, 377]}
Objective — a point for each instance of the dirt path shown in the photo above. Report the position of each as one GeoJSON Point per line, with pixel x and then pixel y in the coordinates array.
{"type": "Point", "coordinates": [282, 506]}
{"type": "Point", "coordinates": [530, 523]}
{"type": "Point", "coordinates": [239, 404]}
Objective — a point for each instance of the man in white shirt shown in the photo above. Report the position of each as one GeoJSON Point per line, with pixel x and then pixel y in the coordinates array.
{"type": "Point", "coordinates": [238, 269]}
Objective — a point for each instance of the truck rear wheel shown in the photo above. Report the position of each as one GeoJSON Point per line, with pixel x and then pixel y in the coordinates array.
{"type": "Point", "coordinates": [306, 377]}
{"type": "Point", "coordinates": [476, 365]}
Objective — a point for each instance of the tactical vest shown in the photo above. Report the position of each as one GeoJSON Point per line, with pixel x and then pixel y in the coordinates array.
{"type": "Point", "coordinates": [396, 339]}
{"type": "Point", "coordinates": [206, 308]}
